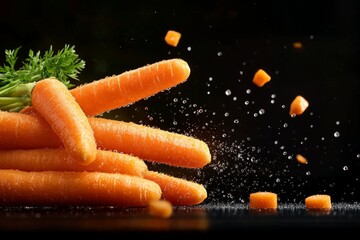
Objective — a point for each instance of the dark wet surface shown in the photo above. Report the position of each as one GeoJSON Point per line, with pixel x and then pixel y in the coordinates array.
{"type": "Point", "coordinates": [202, 219]}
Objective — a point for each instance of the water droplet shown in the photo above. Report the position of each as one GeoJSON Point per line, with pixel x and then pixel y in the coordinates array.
{"type": "Point", "coordinates": [345, 168]}
{"type": "Point", "coordinates": [336, 134]}
{"type": "Point", "coordinates": [322, 138]}
{"type": "Point", "coordinates": [219, 54]}
{"type": "Point", "coordinates": [293, 115]}
{"type": "Point", "coordinates": [248, 91]}
{"type": "Point", "coordinates": [285, 125]}
{"type": "Point", "coordinates": [175, 100]}
{"type": "Point", "coordinates": [311, 37]}
{"type": "Point", "coordinates": [228, 92]}
{"type": "Point", "coordinates": [358, 155]}
{"type": "Point", "coordinates": [284, 153]}
{"type": "Point", "coordinates": [276, 142]}
{"type": "Point", "coordinates": [184, 101]}
{"type": "Point", "coordinates": [272, 101]}
{"type": "Point", "coordinates": [175, 123]}
{"type": "Point", "coordinates": [189, 49]}
{"type": "Point", "coordinates": [210, 79]}
{"type": "Point", "coordinates": [282, 106]}
{"type": "Point", "coordinates": [226, 114]}
{"type": "Point", "coordinates": [277, 180]}
{"type": "Point", "coordinates": [337, 122]}
{"type": "Point", "coordinates": [290, 157]}
{"type": "Point", "coordinates": [236, 121]}
{"type": "Point", "coordinates": [224, 135]}
{"type": "Point", "coordinates": [246, 102]}
{"type": "Point", "coordinates": [234, 98]}
{"type": "Point", "coordinates": [273, 95]}
{"type": "Point", "coordinates": [308, 173]}
{"type": "Point", "coordinates": [241, 72]}
{"type": "Point", "coordinates": [311, 126]}
{"type": "Point", "coordinates": [261, 111]}
{"type": "Point", "coordinates": [255, 114]}
{"type": "Point", "coordinates": [208, 92]}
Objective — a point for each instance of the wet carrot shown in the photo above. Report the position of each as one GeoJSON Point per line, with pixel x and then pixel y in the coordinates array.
{"type": "Point", "coordinates": [75, 188]}
{"type": "Point", "coordinates": [263, 200]}
{"type": "Point", "coordinates": [113, 92]}
{"type": "Point", "coordinates": [301, 159]}
{"type": "Point", "coordinates": [54, 102]}
{"type": "Point", "coordinates": [318, 201]}
{"type": "Point", "coordinates": [261, 78]}
{"type": "Point", "coordinates": [176, 190]}
{"type": "Point", "coordinates": [24, 131]}
{"type": "Point", "coordinates": [51, 159]}
{"type": "Point", "coordinates": [172, 38]}
{"type": "Point", "coordinates": [298, 106]}
{"type": "Point", "coordinates": [160, 208]}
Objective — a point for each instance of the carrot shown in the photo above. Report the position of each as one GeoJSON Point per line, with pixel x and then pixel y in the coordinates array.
{"type": "Point", "coordinates": [318, 201]}
{"type": "Point", "coordinates": [176, 190]}
{"type": "Point", "coordinates": [60, 160]}
{"type": "Point", "coordinates": [261, 78]}
{"type": "Point", "coordinates": [298, 106]}
{"type": "Point", "coordinates": [113, 92]}
{"type": "Point", "coordinates": [160, 208]}
{"type": "Point", "coordinates": [301, 159]}
{"type": "Point", "coordinates": [75, 188]}
{"type": "Point", "coordinates": [172, 38]}
{"type": "Point", "coordinates": [24, 131]}
{"type": "Point", "coordinates": [263, 200]}
{"type": "Point", "coordinates": [54, 102]}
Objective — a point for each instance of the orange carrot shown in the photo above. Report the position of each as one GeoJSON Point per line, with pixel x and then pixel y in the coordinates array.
{"type": "Point", "coordinates": [75, 188]}
{"type": "Point", "coordinates": [301, 159]}
{"type": "Point", "coordinates": [58, 159]}
{"type": "Point", "coordinates": [24, 131]}
{"type": "Point", "coordinates": [260, 78]}
{"type": "Point", "coordinates": [113, 92]}
{"type": "Point", "coordinates": [298, 106]}
{"type": "Point", "coordinates": [54, 102]}
{"type": "Point", "coordinates": [172, 38]}
{"type": "Point", "coordinates": [176, 190]}
{"type": "Point", "coordinates": [263, 200]}
{"type": "Point", "coordinates": [318, 201]}
{"type": "Point", "coordinates": [160, 208]}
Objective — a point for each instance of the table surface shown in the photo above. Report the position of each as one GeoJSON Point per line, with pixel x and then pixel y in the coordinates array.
{"type": "Point", "coordinates": [201, 219]}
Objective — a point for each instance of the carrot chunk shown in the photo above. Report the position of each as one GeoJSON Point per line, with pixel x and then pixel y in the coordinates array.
{"type": "Point", "coordinates": [160, 208]}
{"type": "Point", "coordinates": [261, 77]}
{"type": "Point", "coordinates": [301, 159]}
{"type": "Point", "coordinates": [318, 201]}
{"type": "Point", "coordinates": [172, 38]}
{"type": "Point", "coordinates": [297, 45]}
{"type": "Point", "coordinates": [298, 106]}
{"type": "Point", "coordinates": [263, 200]}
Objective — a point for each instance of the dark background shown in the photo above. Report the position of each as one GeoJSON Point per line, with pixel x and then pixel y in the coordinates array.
{"type": "Point", "coordinates": [225, 43]}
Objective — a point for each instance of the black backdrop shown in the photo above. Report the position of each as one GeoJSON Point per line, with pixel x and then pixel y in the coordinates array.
{"type": "Point", "coordinates": [252, 138]}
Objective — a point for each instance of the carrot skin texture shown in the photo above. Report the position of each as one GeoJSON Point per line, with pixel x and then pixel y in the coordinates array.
{"type": "Point", "coordinates": [178, 191]}
{"type": "Point", "coordinates": [55, 103]}
{"type": "Point", "coordinates": [57, 159]}
{"type": "Point", "coordinates": [147, 143]}
{"type": "Point", "coordinates": [121, 90]}
{"type": "Point", "coordinates": [75, 188]}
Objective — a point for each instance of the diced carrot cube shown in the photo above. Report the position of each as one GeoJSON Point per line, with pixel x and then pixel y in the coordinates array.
{"type": "Point", "coordinates": [261, 77]}
{"type": "Point", "coordinates": [301, 159]}
{"type": "Point", "coordinates": [160, 208]}
{"type": "Point", "coordinates": [318, 201]}
{"type": "Point", "coordinates": [297, 45]}
{"type": "Point", "coordinates": [298, 106]}
{"type": "Point", "coordinates": [172, 38]}
{"type": "Point", "coordinates": [263, 200]}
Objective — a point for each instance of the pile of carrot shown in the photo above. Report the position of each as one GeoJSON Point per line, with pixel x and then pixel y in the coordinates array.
{"type": "Point", "coordinates": [60, 151]}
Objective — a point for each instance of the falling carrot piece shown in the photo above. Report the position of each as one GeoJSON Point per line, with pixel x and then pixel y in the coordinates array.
{"type": "Point", "coordinates": [297, 45]}
{"type": "Point", "coordinates": [176, 190]}
{"type": "Point", "coordinates": [75, 188]}
{"type": "Point", "coordinates": [24, 131]}
{"type": "Point", "coordinates": [172, 38]}
{"type": "Point", "coordinates": [318, 201]}
{"type": "Point", "coordinates": [55, 103]}
{"type": "Point", "coordinates": [301, 159]}
{"type": "Point", "coordinates": [298, 106]}
{"type": "Point", "coordinates": [263, 200]}
{"type": "Point", "coordinates": [261, 77]}
{"type": "Point", "coordinates": [160, 208]}
{"type": "Point", "coordinates": [51, 159]}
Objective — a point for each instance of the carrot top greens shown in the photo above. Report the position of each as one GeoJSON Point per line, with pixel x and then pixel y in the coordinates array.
{"type": "Point", "coordinates": [16, 84]}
